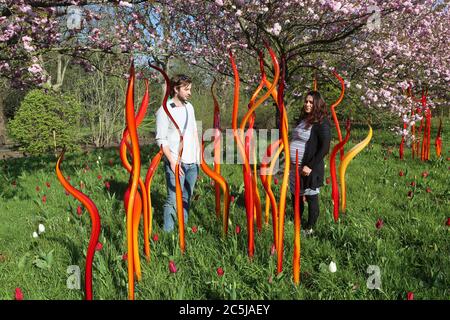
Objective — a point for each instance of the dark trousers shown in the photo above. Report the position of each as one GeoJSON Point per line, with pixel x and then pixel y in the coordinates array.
{"type": "Point", "coordinates": [313, 209]}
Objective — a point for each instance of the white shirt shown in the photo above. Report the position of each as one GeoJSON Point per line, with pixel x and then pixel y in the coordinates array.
{"type": "Point", "coordinates": [167, 133]}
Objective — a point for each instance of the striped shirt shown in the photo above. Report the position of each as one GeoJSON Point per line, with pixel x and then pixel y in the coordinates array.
{"type": "Point", "coordinates": [300, 136]}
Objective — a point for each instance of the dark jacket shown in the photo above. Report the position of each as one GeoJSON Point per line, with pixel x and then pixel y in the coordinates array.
{"type": "Point", "coordinates": [316, 149]}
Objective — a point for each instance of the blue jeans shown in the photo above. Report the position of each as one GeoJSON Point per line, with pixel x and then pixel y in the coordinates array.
{"type": "Point", "coordinates": [187, 185]}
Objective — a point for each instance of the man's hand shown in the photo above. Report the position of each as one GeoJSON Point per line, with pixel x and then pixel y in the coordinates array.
{"type": "Point", "coordinates": [172, 166]}
{"type": "Point", "coordinates": [306, 171]}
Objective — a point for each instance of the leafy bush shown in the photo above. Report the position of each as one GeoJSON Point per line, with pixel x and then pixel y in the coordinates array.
{"type": "Point", "coordinates": [45, 119]}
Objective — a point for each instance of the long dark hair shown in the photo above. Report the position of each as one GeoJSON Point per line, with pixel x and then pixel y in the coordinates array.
{"type": "Point", "coordinates": [319, 111]}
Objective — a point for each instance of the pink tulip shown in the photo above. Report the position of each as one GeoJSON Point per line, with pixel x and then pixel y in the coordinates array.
{"type": "Point", "coordinates": [107, 185]}
{"type": "Point", "coordinates": [18, 294]}
{"type": "Point", "coordinates": [238, 229]}
{"type": "Point", "coordinates": [99, 246]}
{"type": "Point", "coordinates": [172, 267]}
{"type": "Point", "coordinates": [410, 296]}
{"type": "Point", "coordinates": [155, 237]}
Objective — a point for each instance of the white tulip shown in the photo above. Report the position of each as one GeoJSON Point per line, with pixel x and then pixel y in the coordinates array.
{"type": "Point", "coordinates": [332, 267]}
{"type": "Point", "coordinates": [41, 228]}
{"type": "Point", "coordinates": [35, 235]}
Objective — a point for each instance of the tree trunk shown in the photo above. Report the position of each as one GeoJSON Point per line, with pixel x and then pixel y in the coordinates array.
{"type": "Point", "coordinates": [3, 137]}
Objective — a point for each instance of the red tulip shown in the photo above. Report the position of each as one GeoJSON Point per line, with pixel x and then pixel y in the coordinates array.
{"type": "Point", "coordinates": [99, 246]}
{"type": "Point", "coordinates": [99, 177]}
{"type": "Point", "coordinates": [327, 180]}
{"type": "Point", "coordinates": [275, 181]}
{"type": "Point", "coordinates": [44, 199]}
{"type": "Point", "coordinates": [125, 257]}
{"type": "Point", "coordinates": [220, 271]}
{"type": "Point", "coordinates": [79, 210]}
{"type": "Point", "coordinates": [379, 223]}
{"type": "Point", "coordinates": [107, 185]}
{"type": "Point", "coordinates": [172, 267]}
{"type": "Point", "coordinates": [232, 198]}
{"type": "Point", "coordinates": [47, 184]}
{"type": "Point", "coordinates": [401, 173]}
{"type": "Point", "coordinates": [425, 174]}
{"type": "Point", "coordinates": [448, 222]}
{"type": "Point", "coordinates": [194, 229]}
{"type": "Point", "coordinates": [448, 158]}
{"type": "Point", "coordinates": [413, 184]}
{"type": "Point", "coordinates": [410, 296]}
{"type": "Point", "coordinates": [38, 189]}
{"type": "Point", "coordinates": [385, 158]}
{"type": "Point", "coordinates": [428, 190]}
{"type": "Point", "coordinates": [18, 294]}
{"type": "Point", "coordinates": [155, 237]}
{"type": "Point", "coordinates": [238, 229]}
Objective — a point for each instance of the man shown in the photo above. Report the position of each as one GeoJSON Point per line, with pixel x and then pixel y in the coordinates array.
{"type": "Point", "coordinates": [168, 137]}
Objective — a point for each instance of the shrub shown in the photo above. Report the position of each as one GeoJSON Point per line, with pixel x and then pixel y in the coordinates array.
{"type": "Point", "coordinates": [45, 119]}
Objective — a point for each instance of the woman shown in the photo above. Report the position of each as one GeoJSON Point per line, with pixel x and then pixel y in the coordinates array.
{"type": "Point", "coordinates": [311, 138]}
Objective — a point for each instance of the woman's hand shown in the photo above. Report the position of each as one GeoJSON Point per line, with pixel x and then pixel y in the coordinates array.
{"type": "Point", "coordinates": [306, 171]}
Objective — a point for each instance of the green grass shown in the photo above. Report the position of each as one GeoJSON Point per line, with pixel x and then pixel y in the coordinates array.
{"type": "Point", "coordinates": [411, 250]}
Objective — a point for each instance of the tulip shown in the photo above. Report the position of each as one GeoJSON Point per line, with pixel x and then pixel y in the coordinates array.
{"type": "Point", "coordinates": [35, 235]}
{"type": "Point", "coordinates": [44, 199]}
{"type": "Point", "coordinates": [107, 185]}
{"type": "Point", "coordinates": [110, 162]}
{"type": "Point", "coordinates": [232, 198]}
{"type": "Point", "coordinates": [99, 246]}
{"type": "Point", "coordinates": [275, 181]}
{"type": "Point", "coordinates": [238, 229]}
{"type": "Point", "coordinates": [38, 189]}
{"type": "Point", "coordinates": [410, 295]}
{"type": "Point", "coordinates": [172, 267]}
{"type": "Point", "coordinates": [379, 223]}
{"type": "Point", "coordinates": [413, 184]}
{"type": "Point", "coordinates": [428, 190]}
{"type": "Point", "coordinates": [272, 250]}
{"type": "Point", "coordinates": [401, 173]}
{"type": "Point", "coordinates": [424, 174]}
{"type": "Point", "coordinates": [125, 257]}
{"type": "Point", "coordinates": [220, 271]}
{"type": "Point", "coordinates": [332, 267]}
{"type": "Point", "coordinates": [327, 180]}
{"type": "Point", "coordinates": [99, 177]}
{"type": "Point", "coordinates": [155, 237]}
{"type": "Point", "coordinates": [79, 210]}
{"type": "Point", "coordinates": [194, 229]}
{"type": "Point", "coordinates": [47, 184]}
{"type": "Point", "coordinates": [448, 222]}
{"type": "Point", "coordinates": [41, 228]}
{"type": "Point", "coordinates": [67, 192]}
{"type": "Point", "coordinates": [18, 294]}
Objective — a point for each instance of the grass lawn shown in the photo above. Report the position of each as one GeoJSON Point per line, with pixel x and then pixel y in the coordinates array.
{"type": "Point", "coordinates": [411, 249]}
